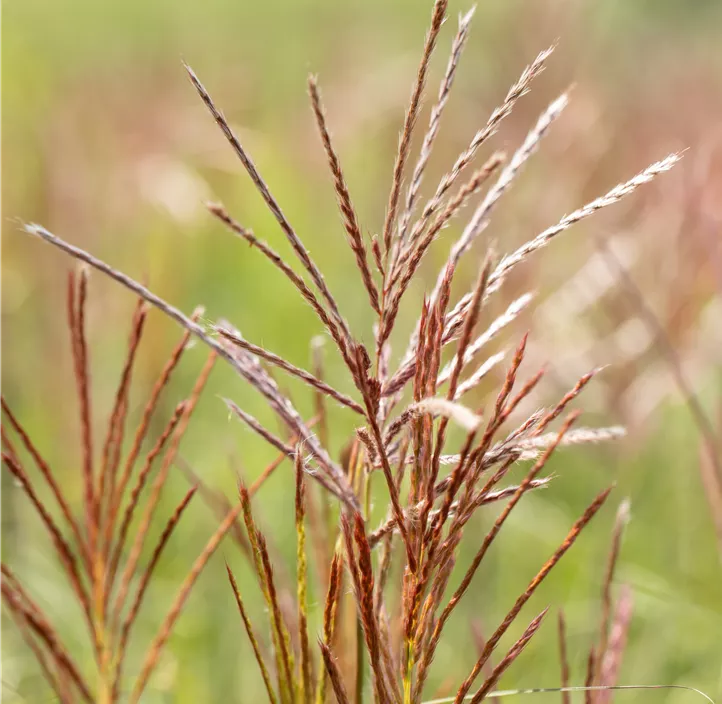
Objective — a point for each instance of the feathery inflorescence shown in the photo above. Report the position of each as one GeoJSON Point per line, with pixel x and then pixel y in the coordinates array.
{"type": "Point", "coordinates": [383, 631]}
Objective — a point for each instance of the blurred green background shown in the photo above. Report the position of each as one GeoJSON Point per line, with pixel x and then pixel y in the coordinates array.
{"type": "Point", "coordinates": [106, 143]}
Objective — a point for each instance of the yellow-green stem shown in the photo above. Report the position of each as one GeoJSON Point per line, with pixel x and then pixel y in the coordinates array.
{"type": "Point", "coordinates": [409, 657]}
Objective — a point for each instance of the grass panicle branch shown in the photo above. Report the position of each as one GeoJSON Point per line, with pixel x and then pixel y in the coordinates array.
{"type": "Point", "coordinates": [144, 582]}
{"type": "Point", "coordinates": [49, 479]}
{"type": "Point", "coordinates": [163, 634]}
{"type": "Point", "coordinates": [299, 249]}
{"type": "Point", "coordinates": [350, 220]}
{"type": "Point", "coordinates": [480, 219]}
{"type": "Point", "coordinates": [341, 340]}
{"type": "Point", "coordinates": [92, 578]}
{"type": "Point", "coordinates": [432, 131]}
{"type": "Point", "coordinates": [509, 658]}
{"type": "Point", "coordinates": [438, 14]}
{"type": "Point", "coordinates": [252, 638]}
{"type": "Point", "coordinates": [281, 363]}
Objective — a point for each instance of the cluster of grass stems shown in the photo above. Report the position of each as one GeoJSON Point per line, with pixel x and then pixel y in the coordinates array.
{"type": "Point", "coordinates": [377, 626]}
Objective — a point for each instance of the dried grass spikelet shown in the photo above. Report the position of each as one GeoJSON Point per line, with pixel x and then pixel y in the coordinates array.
{"type": "Point", "coordinates": [461, 415]}
{"type": "Point", "coordinates": [433, 484]}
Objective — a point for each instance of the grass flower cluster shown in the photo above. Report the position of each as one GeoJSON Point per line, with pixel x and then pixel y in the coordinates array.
{"type": "Point", "coordinates": [420, 448]}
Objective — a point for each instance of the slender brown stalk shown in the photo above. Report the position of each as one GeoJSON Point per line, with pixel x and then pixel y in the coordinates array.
{"type": "Point", "coordinates": [299, 373]}
{"type": "Point", "coordinates": [370, 390]}
{"type": "Point", "coordinates": [35, 645]}
{"type": "Point", "coordinates": [42, 629]}
{"type": "Point", "coordinates": [386, 554]}
{"type": "Point", "coordinates": [320, 517]}
{"type": "Point", "coordinates": [298, 247]}
{"type": "Point", "coordinates": [421, 430]}
{"type": "Point", "coordinates": [77, 295]}
{"type": "Point", "coordinates": [138, 489]}
{"type": "Point", "coordinates": [477, 634]}
{"type": "Point", "coordinates": [447, 83]}
{"type": "Point", "coordinates": [283, 639]}
{"type": "Point", "coordinates": [8, 576]}
{"type": "Point", "coordinates": [25, 604]}
{"type": "Point", "coordinates": [366, 608]}
{"type": "Point", "coordinates": [112, 446]}
{"type": "Point", "coordinates": [411, 258]}
{"type": "Point", "coordinates": [354, 617]}
{"type": "Point", "coordinates": [159, 483]}
{"type": "Point", "coordinates": [492, 124]}
{"type": "Point", "coordinates": [508, 659]}
{"type": "Point", "coordinates": [342, 341]}
{"type": "Point", "coordinates": [279, 631]}
{"type": "Point", "coordinates": [65, 554]}
{"type": "Point", "coordinates": [143, 586]}
{"type": "Point", "coordinates": [274, 441]}
{"type": "Point", "coordinates": [541, 575]}
{"type": "Point", "coordinates": [329, 617]}
{"type": "Point", "coordinates": [394, 494]}
{"type": "Point", "coordinates": [8, 445]}
{"type": "Point", "coordinates": [153, 653]}
{"type": "Point", "coordinates": [334, 674]}
{"type": "Point", "coordinates": [142, 429]}
{"type": "Point", "coordinates": [378, 256]}
{"type": "Point", "coordinates": [49, 478]}
{"type": "Point", "coordinates": [437, 18]}
{"type": "Point", "coordinates": [107, 475]}
{"type": "Point", "coordinates": [350, 220]}
{"type": "Point", "coordinates": [480, 219]}
{"type": "Point", "coordinates": [555, 412]}
{"type": "Point", "coordinates": [252, 638]}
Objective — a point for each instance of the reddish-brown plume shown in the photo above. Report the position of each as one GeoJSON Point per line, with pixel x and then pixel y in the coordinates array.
{"type": "Point", "coordinates": [442, 461]}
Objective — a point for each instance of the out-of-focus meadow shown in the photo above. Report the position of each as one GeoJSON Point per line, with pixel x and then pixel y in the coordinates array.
{"type": "Point", "coordinates": [106, 143]}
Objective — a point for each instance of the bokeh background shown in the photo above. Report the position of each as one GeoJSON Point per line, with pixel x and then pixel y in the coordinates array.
{"type": "Point", "coordinates": [106, 143]}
